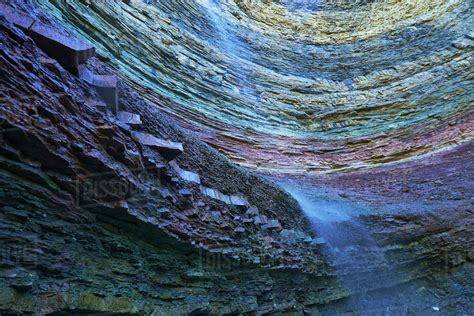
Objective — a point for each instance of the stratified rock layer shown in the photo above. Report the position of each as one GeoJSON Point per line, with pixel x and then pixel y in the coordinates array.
{"type": "Point", "coordinates": [73, 180]}
{"type": "Point", "coordinates": [292, 87]}
{"type": "Point", "coordinates": [92, 221]}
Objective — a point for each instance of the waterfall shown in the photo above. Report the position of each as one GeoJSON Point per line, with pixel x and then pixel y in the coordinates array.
{"type": "Point", "coordinates": [229, 45]}
{"type": "Point", "coordinates": [350, 249]}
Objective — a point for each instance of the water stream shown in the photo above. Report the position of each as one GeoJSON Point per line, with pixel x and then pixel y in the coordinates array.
{"type": "Point", "coordinates": [351, 249]}
{"type": "Point", "coordinates": [227, 42]}
{"type": "Point", "coordinates": [356, 258]}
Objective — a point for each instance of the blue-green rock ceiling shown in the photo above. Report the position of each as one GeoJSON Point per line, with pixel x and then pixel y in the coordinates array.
{"type": "Point", "coordinates": [296, 86]}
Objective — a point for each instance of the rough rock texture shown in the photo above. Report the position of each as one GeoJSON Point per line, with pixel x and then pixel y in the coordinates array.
{"type": "Point", "coordinates": [91, 221]}
{"type": "Point", "coordinates": [296, 86]}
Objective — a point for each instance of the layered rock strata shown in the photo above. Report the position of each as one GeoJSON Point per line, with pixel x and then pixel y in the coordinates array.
{"type": "Point", "coordinates": [73, 175]}
{"type": "Point", "coordinates": [95, 221]}
{"type": "Point", "coordinates": [296, 87]}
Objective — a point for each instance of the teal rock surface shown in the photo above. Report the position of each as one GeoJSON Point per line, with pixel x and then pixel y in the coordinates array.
{"type": "Point", "coordinates": [353, 118]}
{"type": "Point", "coordinates": [296, 87]}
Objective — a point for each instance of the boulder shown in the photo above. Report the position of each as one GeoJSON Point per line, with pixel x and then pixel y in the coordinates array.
{"type": "Point", "coordinates": [169, 150]}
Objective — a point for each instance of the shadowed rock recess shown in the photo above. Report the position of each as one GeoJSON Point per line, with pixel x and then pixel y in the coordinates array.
{"type": "Point", "coordinates": [236, 157]}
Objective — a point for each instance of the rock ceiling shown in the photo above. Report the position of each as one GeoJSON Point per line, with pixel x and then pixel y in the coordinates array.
{"type": "Point", "coordinates": [296, 86]}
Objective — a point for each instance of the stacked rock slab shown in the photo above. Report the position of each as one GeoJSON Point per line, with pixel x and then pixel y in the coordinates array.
{"type": "Point", "coordinates": [69, 51]}
{"type": "Point", "coordinates": [169, 150]}
{"type": "Point", "coordinates": [128, 118]}
{"type": "Point", "coordinates": [105, 85]}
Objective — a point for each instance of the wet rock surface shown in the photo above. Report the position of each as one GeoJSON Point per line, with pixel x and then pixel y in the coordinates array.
{"type": "Point", "coordinates": [93, 220]}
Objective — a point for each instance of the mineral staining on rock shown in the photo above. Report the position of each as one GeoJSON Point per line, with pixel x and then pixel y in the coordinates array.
{"type": "Point", "coordinates": [107, 206]}
{"type": "Point", "coordinates": [297, 87]}
{"type": "Point", "coordinates": [94, 218]}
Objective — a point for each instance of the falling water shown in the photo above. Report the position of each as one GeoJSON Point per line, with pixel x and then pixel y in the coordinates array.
{"type": "Point", "coordinates": [356, 259]}
{"type": "Point", "coordinates": [230, 45]}
{"type": "Point", "coordinates": [336, 220]}
{"type": "Point", "coordinates": [351, 251]}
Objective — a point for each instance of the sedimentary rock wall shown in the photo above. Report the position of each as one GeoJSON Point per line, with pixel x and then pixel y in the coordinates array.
{"type": "Point", "coordinates": [95, 218]}
{"type": "Point", "coordinates": [294, 87]}
{"type": "Point", "coordinates": [80, 191]}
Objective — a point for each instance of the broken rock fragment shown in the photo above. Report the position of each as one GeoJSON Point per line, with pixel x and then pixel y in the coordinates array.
{"type": "Point", "coordinates": [230, 200]}
{"type": "Point", "coordinates": [260, 220]}
{"type": "Point", "coordinates": [69, 51]}
{"type": "Point", "coordinates": [252, 211]}
{"type": "Point", "coordinates": [272, 224]}
{"type": "Point", "coordinates": [292, 235]}
{"type": "Point", "coordinates": [129, 118]}
{"type": "Point", "coordinates": [167, 149]}
{"type": "Point", "coordinates": [185, 174]}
